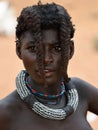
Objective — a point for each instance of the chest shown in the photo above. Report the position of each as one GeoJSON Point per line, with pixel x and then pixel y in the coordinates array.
{"type": "Point", "coordinates": [74, 122]}
{"type": "Point", "coordinates": [26, 119]}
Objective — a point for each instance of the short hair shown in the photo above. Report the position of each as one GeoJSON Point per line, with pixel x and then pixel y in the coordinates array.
{"type": "Point", "coordinates": [46, 16]}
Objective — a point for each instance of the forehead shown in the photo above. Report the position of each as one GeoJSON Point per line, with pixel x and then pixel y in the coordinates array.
{"type": "Point", "coordinates": [49, 35]}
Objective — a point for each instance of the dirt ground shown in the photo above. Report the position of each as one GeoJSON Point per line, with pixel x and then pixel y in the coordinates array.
{"type": "Point", "coordinates": [85, 61]}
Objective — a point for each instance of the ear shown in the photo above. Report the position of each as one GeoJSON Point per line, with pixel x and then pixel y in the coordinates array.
{"type": "Point", "coordinates": [71, 49]}
{"type": "Point", "coordinates": [18, 49]}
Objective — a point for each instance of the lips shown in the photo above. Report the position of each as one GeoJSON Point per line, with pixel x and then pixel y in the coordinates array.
{"type": "Point", "coordinates": [48, 73]}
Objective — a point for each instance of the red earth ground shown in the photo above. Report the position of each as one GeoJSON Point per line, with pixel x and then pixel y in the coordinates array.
{"type": "Point", "coordinates": [85, 61]}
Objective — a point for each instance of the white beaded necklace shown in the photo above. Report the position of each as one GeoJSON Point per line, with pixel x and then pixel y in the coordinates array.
{"type": "Point", "coordinates": [41, 109]}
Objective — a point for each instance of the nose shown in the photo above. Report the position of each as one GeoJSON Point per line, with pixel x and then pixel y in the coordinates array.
{"type": "Point", "coordinates": [48, 57]}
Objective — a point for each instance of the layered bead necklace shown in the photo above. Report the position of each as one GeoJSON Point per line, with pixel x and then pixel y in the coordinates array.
{"type": "Point", "coordinates": [39, 94]}
{"type": "Point", "coordinates": [29, 96]}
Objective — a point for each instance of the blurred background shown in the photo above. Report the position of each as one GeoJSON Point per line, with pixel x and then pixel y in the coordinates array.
{"type": "Point", "coordinates": [85, 60]}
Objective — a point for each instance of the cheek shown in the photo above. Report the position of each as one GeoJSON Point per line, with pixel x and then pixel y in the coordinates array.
{"type": "Point", "coordinates": [61, 66]}
{"type": "Point", "coordinates": [58, 62]}
{"type": "Point", "coordinates": [29, 61]}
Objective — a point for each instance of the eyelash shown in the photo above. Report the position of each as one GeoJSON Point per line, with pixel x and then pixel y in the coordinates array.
{"type": "Point", "coordinates": [57, 48]}
{"type": "Point", "coordinates": [32, 48]}
{"type": "Point", "coordinates": [54, 48]}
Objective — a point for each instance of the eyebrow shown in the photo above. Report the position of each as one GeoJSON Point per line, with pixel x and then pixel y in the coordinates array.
{"type": "Point", "coordinates": [53, 42]}
{"type": "Point", "coordinates": [30, 42]}
{"type": "Point", "coordinates": [57, 42]}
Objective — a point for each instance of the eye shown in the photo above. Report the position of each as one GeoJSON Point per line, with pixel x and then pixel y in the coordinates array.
{"type": "Point", "coordinates": [57, 48]}
{"type": "Point", "coordinates": [32, 48]}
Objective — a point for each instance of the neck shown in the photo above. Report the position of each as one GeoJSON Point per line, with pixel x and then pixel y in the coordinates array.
{"type": "Point", "coordinates": [49, 89]}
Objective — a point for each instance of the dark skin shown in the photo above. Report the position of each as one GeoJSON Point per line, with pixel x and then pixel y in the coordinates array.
{"type": "Point", "coordinates": [16, 115]}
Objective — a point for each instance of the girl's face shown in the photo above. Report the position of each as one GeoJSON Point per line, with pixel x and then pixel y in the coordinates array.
{"type": "Point", "coordinates": [52, 57]}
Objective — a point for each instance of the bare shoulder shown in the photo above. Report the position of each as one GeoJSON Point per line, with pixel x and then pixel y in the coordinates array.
{"type": "Point", "coordinates": [88, 93]}
{"type": "Point", "coordinates": [8, 107]}
{"type": "Point", "coordinates": [85, 88]}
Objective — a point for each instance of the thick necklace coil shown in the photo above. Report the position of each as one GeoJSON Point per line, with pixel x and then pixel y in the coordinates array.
{"type": "Point", "coordinates": [41, 109]}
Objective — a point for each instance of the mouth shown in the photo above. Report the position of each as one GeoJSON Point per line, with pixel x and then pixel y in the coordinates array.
{"type": "Point", "coordinates": [48, 73]}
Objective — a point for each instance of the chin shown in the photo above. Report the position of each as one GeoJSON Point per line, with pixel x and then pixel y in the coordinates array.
{"type": "Point", "coordinates": [51, 82]}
